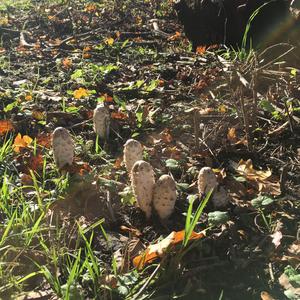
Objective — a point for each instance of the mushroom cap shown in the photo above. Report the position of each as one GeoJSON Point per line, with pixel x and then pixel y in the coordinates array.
{"type": "Point", "coordinates": [206, 180]}
{"type": "Point", "coordinates": [164, 196]}
{"type": "Point", "coordinates": [63, 147]}
{"type": "Point", "coordinates": [142, 182]}
{"type": "Point", "coordinates": [101, 121]}
{"type": "Point", "coordinates": [133, 151]}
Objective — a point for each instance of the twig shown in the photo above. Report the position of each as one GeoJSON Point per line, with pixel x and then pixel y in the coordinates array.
{"type": "Point", "coordinates": [146, 283]}
{"type": "Point", "coordinates": [196, 128]}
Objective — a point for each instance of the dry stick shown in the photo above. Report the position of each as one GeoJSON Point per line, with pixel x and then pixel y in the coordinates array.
{"type": "Point", "coordinates": [245, 118]}
{"type": "Point", "coordinates": [146, 283]}
{"type": "Point", "coordinates": [196, 128]}
{"type": "Point", "coordinates": [290, 119]}
{"type": "Point", "coordinates": [254, 92]}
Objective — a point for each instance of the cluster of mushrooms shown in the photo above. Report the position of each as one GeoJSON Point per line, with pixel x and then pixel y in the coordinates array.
{"type": "Point", "coordinates": [161, 194]}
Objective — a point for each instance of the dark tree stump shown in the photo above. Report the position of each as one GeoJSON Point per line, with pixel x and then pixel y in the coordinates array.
{"type": "Point", "coordinates": [208, 22]}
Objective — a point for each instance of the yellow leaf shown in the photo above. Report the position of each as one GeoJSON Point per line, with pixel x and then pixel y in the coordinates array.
{"type": "Point", "coordinates": [80, 93]}
{"type": "Point", "coordinates": [28, 97]}
{"type": "Point", "coordinates": [21, 142]}
{"type": "Point", "coordinates": [109, 41]}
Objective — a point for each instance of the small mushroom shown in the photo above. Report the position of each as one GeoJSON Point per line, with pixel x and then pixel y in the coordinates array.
{"type": "Point", "coordinates": [133, 151]}
{"type": "Point", "coordinates": [207, 180]}
{"type": "Point", "coordinates": [142, 182]}
{"type": "Point", "coordinates": [101, 119]}
{"type": "Point", "coordinates": [63, 147]}
{"type": "Point", "coordinates": [164, 196]}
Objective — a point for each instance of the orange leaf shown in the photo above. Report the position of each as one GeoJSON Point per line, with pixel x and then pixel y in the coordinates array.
{"type": "Point", "coordinates": [80, 93]}
{"type": "Point", "coordinates": [44, 140]}
{"type": "Point", "coordinates": [21, 142]}
{"type": "Point", "coordinates": [67, 63]}
{"type": "Point", "coordinates": [231, 135]}
{"type": "Point", "coordinates": [174, 37]}
{"type": "Point", "coordinates": [119, 116]}
{"type": "Point", "coordinates": [28, 97]}
{"type": "Point", "coordinates": [5, 126]}
{"type": "Point", "coordinates": [200, 49]}
{"type": "Point", "coordinates": [159, 249]}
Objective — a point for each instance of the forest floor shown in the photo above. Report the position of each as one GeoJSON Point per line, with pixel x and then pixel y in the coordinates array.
{"type": "Point", "coordinates": [77, 233]}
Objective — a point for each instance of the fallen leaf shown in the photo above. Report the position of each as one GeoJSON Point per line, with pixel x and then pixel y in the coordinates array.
{"type": "Point", "coordinates": [28, 97]}
{"type": "Point", "coordinates": [119, 116]}
{"type": "Point", "coordinates": [80, 93]}
{"type": "Point", "coordinates": [246, 169]}
{"type": "Point", "coordinates": [175, 37]}
{"type": "Point", "coordinates": [266, 296]}
{"type": "Point", "coordinates": [38, 115]}
{"type": "Point", "coordinates": [231, 135]}
{"type": "Point", "coordinates": [109, 41]}
{"type": "Point", "coordinates": [44, 140]}
{"type": "Point", "coordinates": [5, 126]}
{"type": "Point", "coordinates": [201, 49]}
{"type": "Point", "coordinates": [67, 63]}
{"type": "Point", "coordinates": [159, 249]}
{"type": "Point", "coordinates": [276, 238]}
{"type": "Point", "coordinates": [21, 142]}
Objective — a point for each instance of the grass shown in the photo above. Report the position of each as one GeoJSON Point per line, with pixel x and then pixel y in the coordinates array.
{"type": "Point", "coordinates": [43, 247]}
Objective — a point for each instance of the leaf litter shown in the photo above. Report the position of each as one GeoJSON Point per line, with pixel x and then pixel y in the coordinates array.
{"type": "Point", "coordinates": [184, 108]}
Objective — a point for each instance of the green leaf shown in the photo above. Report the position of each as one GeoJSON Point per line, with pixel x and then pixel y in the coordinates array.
{"type": "Point", "coordinates": [172, 164]}
{"type": "Point", "coordinates": [266, 106]}
{"type": "Point", "coordinates": [261, 201]}
{"type": "Point", "coordinates": [217, 218]}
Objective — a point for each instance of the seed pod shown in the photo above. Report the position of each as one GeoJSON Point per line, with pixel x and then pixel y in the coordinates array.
{"type": "Point", "coordinates": [206, 180]}
{"type": "Point", "coordinates": [101, 119]}
{"type": "Point", "coordinates": [164, 196]}
{"type": "Point", "coordinates": [133, 151]}
{"type": "Point", "coordinates": [63, 147]}
{"type": "Point", "coordinates": [142, 182]}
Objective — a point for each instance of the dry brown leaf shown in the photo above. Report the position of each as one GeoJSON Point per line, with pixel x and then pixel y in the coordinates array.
{"type": "Point", "coordinates": [266, 296]}
{"type": "Point", "coordinates": [246, 169]}
{"type": "Point", "coordinates": [5, 126]}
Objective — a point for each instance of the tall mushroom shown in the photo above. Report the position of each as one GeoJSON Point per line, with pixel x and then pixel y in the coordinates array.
{"type": "Point", "coordinates": [133, 151]}
{"type": "Point", "coordinates": [164, 196]}
{"type": "Point", "coordinates": [63, 147]}
{"type": "Point", "coordinates": [101, 119]}
{"type": "Point", "coordinates": [142, 182]}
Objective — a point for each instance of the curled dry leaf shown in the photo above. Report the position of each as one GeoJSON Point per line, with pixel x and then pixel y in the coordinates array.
{"type": "Point", "coordinates": [5, 126]}
{"type": "Point", "coordinates": [159, 249]}
{"type": "Point", "coordinates": [142, 181]}
{"type": "Point", "coordinates": [63, 147]}
{"type": "Point", "coordinates": [164, 196]}
{"type": "Point", "coordinates": [101, 119]}
{"type": "Point", "coordinates": [133, 151]}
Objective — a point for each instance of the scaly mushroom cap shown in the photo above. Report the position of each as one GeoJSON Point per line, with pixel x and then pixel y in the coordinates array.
{"type": "Point", "coordinates": [142, 182]}
{"type": "Point", "coordinates": [206, 180]}
{"type": "Point", "coordinates": [133, 151]}
{"type": "Point", "coordinates": [164, 196]}
{"type": "Point", "coordinates": [101, 119]}
{"type": "Point", "coordinates": [63, 147]}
